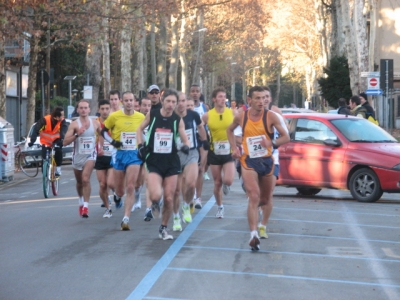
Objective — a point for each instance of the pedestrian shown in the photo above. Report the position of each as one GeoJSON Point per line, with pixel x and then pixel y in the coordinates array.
{"type": "Point", "coordinates": [356, 108]}
{"type": "Point", "coordinates": [82, 132]}
{"type": "Point", "coordinates": [160, 154]}
{"type": "Point", "coordinates": [343, 108]}
{"type": "Point", "coordinates": [219, 156]}
{"type": "Point", "coordinates": [256, 161]}
{"type": "Point", "coordinates": [123, 125]}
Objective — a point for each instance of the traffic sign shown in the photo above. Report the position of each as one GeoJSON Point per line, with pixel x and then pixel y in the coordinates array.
{"type": "Point", "coordinates": [373, 83]}
{"type": "Point", "coordinates": [374, 92]}
{"type": "Point", "coordinates": [370, 74]}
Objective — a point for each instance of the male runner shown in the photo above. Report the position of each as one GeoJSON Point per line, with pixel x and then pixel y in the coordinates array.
{"type": "Point", "coordinates": [123, 125]}
{"type": "Point", "coordinates": [153, 93]}
{"type": "Point", "coordinates": [103, 162]}
{"type": "Point", "coordinates": [115, 100]}
{"type": "Point", "coordinates": [200, 108]}
{"type": "Point", "coordinates": [189, 162]}
{"type": "Point", "coordinates": [82, 132]}
{"type": "Point", "coordinates": [256, 161]}
{"type": "Point", "coordinates": [219, 156]}
{"type": "Point", "coordinates": [160, 154]}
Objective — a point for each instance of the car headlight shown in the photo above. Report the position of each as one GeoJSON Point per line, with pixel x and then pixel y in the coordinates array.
{"type": "Point", "coordinates": [396, 167]}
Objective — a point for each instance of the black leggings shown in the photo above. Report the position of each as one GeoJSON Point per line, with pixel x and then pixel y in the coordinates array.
{"type": "Point", "coordinates": [58, 155]}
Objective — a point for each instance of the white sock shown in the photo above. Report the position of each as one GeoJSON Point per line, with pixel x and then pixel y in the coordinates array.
{"type": "Point", "coordinates": [125, 219]}
{"type": "Point", "coordinates": [80, 201]}
{"type": "Point", "coordinates": [254, 233]}
{"type": "Point", "coordinates": [176, 215]}
{"type": "Point", "coordinates": [86, 204]}
{"type": "Point", "coordinates": [58, 170]}
{"type": "Point", "coordinates": [185, 205]}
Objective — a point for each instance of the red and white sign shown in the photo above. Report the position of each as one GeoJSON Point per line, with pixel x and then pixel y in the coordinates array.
{"type": "Point", "coordinates": [373, 83]}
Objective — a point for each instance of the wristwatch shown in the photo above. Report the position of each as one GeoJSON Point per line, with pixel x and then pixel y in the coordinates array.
{"type": "Point", "coordinates": [274, 145]}
{"type": "Point", "coordinates": [76, 135]}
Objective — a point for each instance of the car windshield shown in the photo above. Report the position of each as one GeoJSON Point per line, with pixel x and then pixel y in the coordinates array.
{"type": "Point", "coordinates": [363, 131]}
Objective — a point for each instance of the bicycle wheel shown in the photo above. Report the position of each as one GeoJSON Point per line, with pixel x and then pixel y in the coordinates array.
{"type": "Point", "coordinates": [54, 180]}
{"type": "Point", "coordinates": [46, 181]}
{"type": "Point", "coordinates": [28, 165]}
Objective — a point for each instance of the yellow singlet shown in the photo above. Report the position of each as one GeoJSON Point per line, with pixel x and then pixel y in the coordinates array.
{"type": "Point", "coordinates": [119, 122]}
{"type": "Point", "coordinates": [218, 123]}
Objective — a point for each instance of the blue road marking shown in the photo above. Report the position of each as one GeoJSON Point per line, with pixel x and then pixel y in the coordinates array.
{"type": "Point", "coordinates": [289, 277]}
{"type": "Point", "coordinates": [152, 276]}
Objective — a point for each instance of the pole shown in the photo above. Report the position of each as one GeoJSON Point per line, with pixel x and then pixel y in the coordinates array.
{"type": "Point", "coordinates": [48, 65]}
{"type": "Point", "coordinates": [42, 88]}
{"type": "Point", "coordinates": [69, 91]}
{"type": "Point", "coordinates": [387, 96]}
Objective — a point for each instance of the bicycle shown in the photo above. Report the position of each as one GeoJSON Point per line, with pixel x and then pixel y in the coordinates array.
{"type": "Point", "coordinates": [49, 177]}
{"type": "Point", "coordinates": [25, 161]}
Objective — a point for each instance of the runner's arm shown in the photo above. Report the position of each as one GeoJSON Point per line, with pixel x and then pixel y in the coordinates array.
{"type": "Point", "coordinates": [182, 133]}
{"type": "Point", "coordinates": [71, 134]}
{"type": "Point", "coordinates": [283, 132]}
{"type": "Point", "coordinates": [231, 136]}
{"type": "Point", "coordinates": [139, 131]}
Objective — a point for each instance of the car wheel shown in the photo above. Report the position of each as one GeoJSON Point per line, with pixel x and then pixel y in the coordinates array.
{"type": "Point", "coordinates": [365, 186]}
{"type": "Point", "coordinates": [308, 191]}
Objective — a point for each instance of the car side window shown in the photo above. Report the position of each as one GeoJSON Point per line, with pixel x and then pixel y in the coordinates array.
{"type": "Point", "coordinates": [312, 131]}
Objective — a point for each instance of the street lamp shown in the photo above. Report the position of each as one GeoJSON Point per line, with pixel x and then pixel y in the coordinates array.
{"type": "Point", "coordinates": [69, 78]}
{"type": "Point", "coordinates": [245, 81]}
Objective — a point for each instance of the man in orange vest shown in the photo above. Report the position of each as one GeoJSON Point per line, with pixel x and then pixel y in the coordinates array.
{"type": "Point", "coordinates": [51, 130]}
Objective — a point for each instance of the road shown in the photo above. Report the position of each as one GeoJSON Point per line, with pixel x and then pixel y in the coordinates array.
{"type": "Point", "coordinates": [323, 247]}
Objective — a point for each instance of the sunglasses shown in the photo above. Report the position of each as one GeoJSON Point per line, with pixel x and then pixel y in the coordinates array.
{"type": "Point", "coordinates": [154, 92]}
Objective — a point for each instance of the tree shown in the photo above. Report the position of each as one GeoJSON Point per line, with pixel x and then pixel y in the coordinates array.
{"type": "Point", "coordinates": [336, 83]}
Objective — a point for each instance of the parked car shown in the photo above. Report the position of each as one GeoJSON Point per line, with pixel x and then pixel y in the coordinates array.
{"type": "Point", "coordinates": [67, 150]}
{"type": "Point", "coordinates": [339, 152]}
{"type": "Point", "coordinates": [296, 110]}
{"type": "Point", "coordinates": [333, 111]}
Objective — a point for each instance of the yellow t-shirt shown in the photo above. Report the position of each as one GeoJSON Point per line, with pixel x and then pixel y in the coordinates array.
{"type": "Point", "coordinates": [217, 124]}
{"type": "Point", "coordinates": [119, 122]}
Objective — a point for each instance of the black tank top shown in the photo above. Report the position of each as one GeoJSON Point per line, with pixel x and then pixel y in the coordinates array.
{"type": "Point", "coordinates": [164, 124]}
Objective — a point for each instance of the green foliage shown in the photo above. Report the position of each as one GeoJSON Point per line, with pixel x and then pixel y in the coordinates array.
{"type": "Point", "coordinates": [336, 84]}
{"type": "Point", "coordinates": [59, 101]}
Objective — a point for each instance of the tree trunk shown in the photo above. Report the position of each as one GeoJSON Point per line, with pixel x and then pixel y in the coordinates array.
{"type": "Point", "coordinates": [93, 59]}
{"type": "Point", "coordinates": [182, 53]}
{"type": "Point", "coordinates": [320, 19]}
{"type": "Point", "coordinates": [33, 69]}
{"type": "Point", "coordinates": [337, 36]}
{"type": "Point", "coordinates": [141, 58]}
{"type": "Point", "coordinates": [126, 35]}
{"type": "Point", "coordinates": [2, 78]}
{"type": "Point", "coordinates": [174, 60]}
{"type": "Point", "coordinates": [372, 34]}
{"type": "Point", "coordinates": [196, 72]}
{"type": "Point", "coordinates": [360, 25]}
{"type": "Point", "coordinates": [350, 47]}
{"type": "Point", "coordinates": [162, 50]}
{"type": "Point", "coordinates": [153, 64]}
{"type": "Point", "coordinates": [106, 54]}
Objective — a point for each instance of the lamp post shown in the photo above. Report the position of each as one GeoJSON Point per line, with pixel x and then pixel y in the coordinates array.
{"type": "Point", "coordinates": [245, 81]}
{"type": "Point", "coordinates": [233, 96]}
{"type": "Point", "coordinates": [196, 73]}
{"type": "Point", "coordinates": [70, 107]}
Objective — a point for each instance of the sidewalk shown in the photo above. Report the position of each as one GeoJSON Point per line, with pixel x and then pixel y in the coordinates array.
{"type": "Point", "coordinates": [18, 178]}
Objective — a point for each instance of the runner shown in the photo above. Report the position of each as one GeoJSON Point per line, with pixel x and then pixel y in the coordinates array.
{"type": "Point", "coordinates": [199, 107]}
{"type": "Point", "coordinates": [82, 132]}
{"type": "Point", "coordinates": [219, 156]}
{"type": "Point", "coordinates": [256, 161]}
{"type": "Point", "coordinates": [123, 125]}
{"type": "Point", "coordinates": [153, 93]}
{"type": "Point", "coordinates": [115, 100]}
{"type": "Point", "coordinates": [160, 154]}
{"type": "Point", "coordinates": [103, 162]}
{"type": "Point", "coordinates": [189, 162]}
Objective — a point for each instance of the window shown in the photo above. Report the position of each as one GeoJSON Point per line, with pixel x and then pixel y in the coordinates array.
{"type": "Point", "coordinates": [312, 131]}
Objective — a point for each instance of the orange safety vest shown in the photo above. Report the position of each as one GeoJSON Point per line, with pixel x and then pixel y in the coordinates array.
{"type": "Point", "coordinates": [48, 136]}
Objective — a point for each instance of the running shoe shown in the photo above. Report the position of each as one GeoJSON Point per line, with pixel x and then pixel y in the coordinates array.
{"type": "Point", "coordinates": [197, 203]}
{"type": "Point", "coordinates": [226, 189]}
{"type": "Point", "coordinates": [191, 207]}
{"type": "Point", "coordinates": [262, 231]}
{"type": "Point", "coordinates": [118, 202]}
{"type": "Point", "coordinates": [177, 224]}
{"type": "Point", "coordinates": [155, 208]}
{"type": "Point", "coordinates": [220, 213]}
{"type": "Point", "coordinates": [125, 224]}
{"type": "Point", "coordinates": [85, 212]}
{"type": "Point", "coordinates": [205, 176]}
{"type": "Point", "coordinates": [148, 215]}
{"type": "Point", "coordinates": [107, 214]}
{"type": "Point", "coordinates": [254, 243]}
{"type": "Point", "coordinates": [163, 234]}
{"type": "Point", "coordinates": [80, 210]}
{"type": "Point", "coordinates": [187, 217]}
{"type": "Point", "coordinates": [57, 175]}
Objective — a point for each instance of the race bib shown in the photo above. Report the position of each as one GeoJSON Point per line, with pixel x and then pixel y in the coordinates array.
{"type": "Point", "coordinates": [222, 148]}
{"type": "Point", "coordinates": [255, 148]}
{"type": "Point", "coordinates": [163, 142]}
{"type": "Point", "coordinates": [189, 134]}
{"type": "Point", "coordinates": [128, 140]}
{"type": "Point", "coordinates": [107, 148]}
{"type": "Point", "coordinates": [86, 145]}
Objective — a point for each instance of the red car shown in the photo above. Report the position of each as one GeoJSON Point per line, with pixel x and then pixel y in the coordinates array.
{"type": "Point", "coordinates": [339, 152]}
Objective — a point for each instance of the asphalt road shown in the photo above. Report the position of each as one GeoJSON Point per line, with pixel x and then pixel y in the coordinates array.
{"type": "Point", "coordinates": [323, 247]}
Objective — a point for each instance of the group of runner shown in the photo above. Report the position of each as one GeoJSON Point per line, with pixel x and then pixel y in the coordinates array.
{"type": "Point", "coordinates": [166, 141]}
